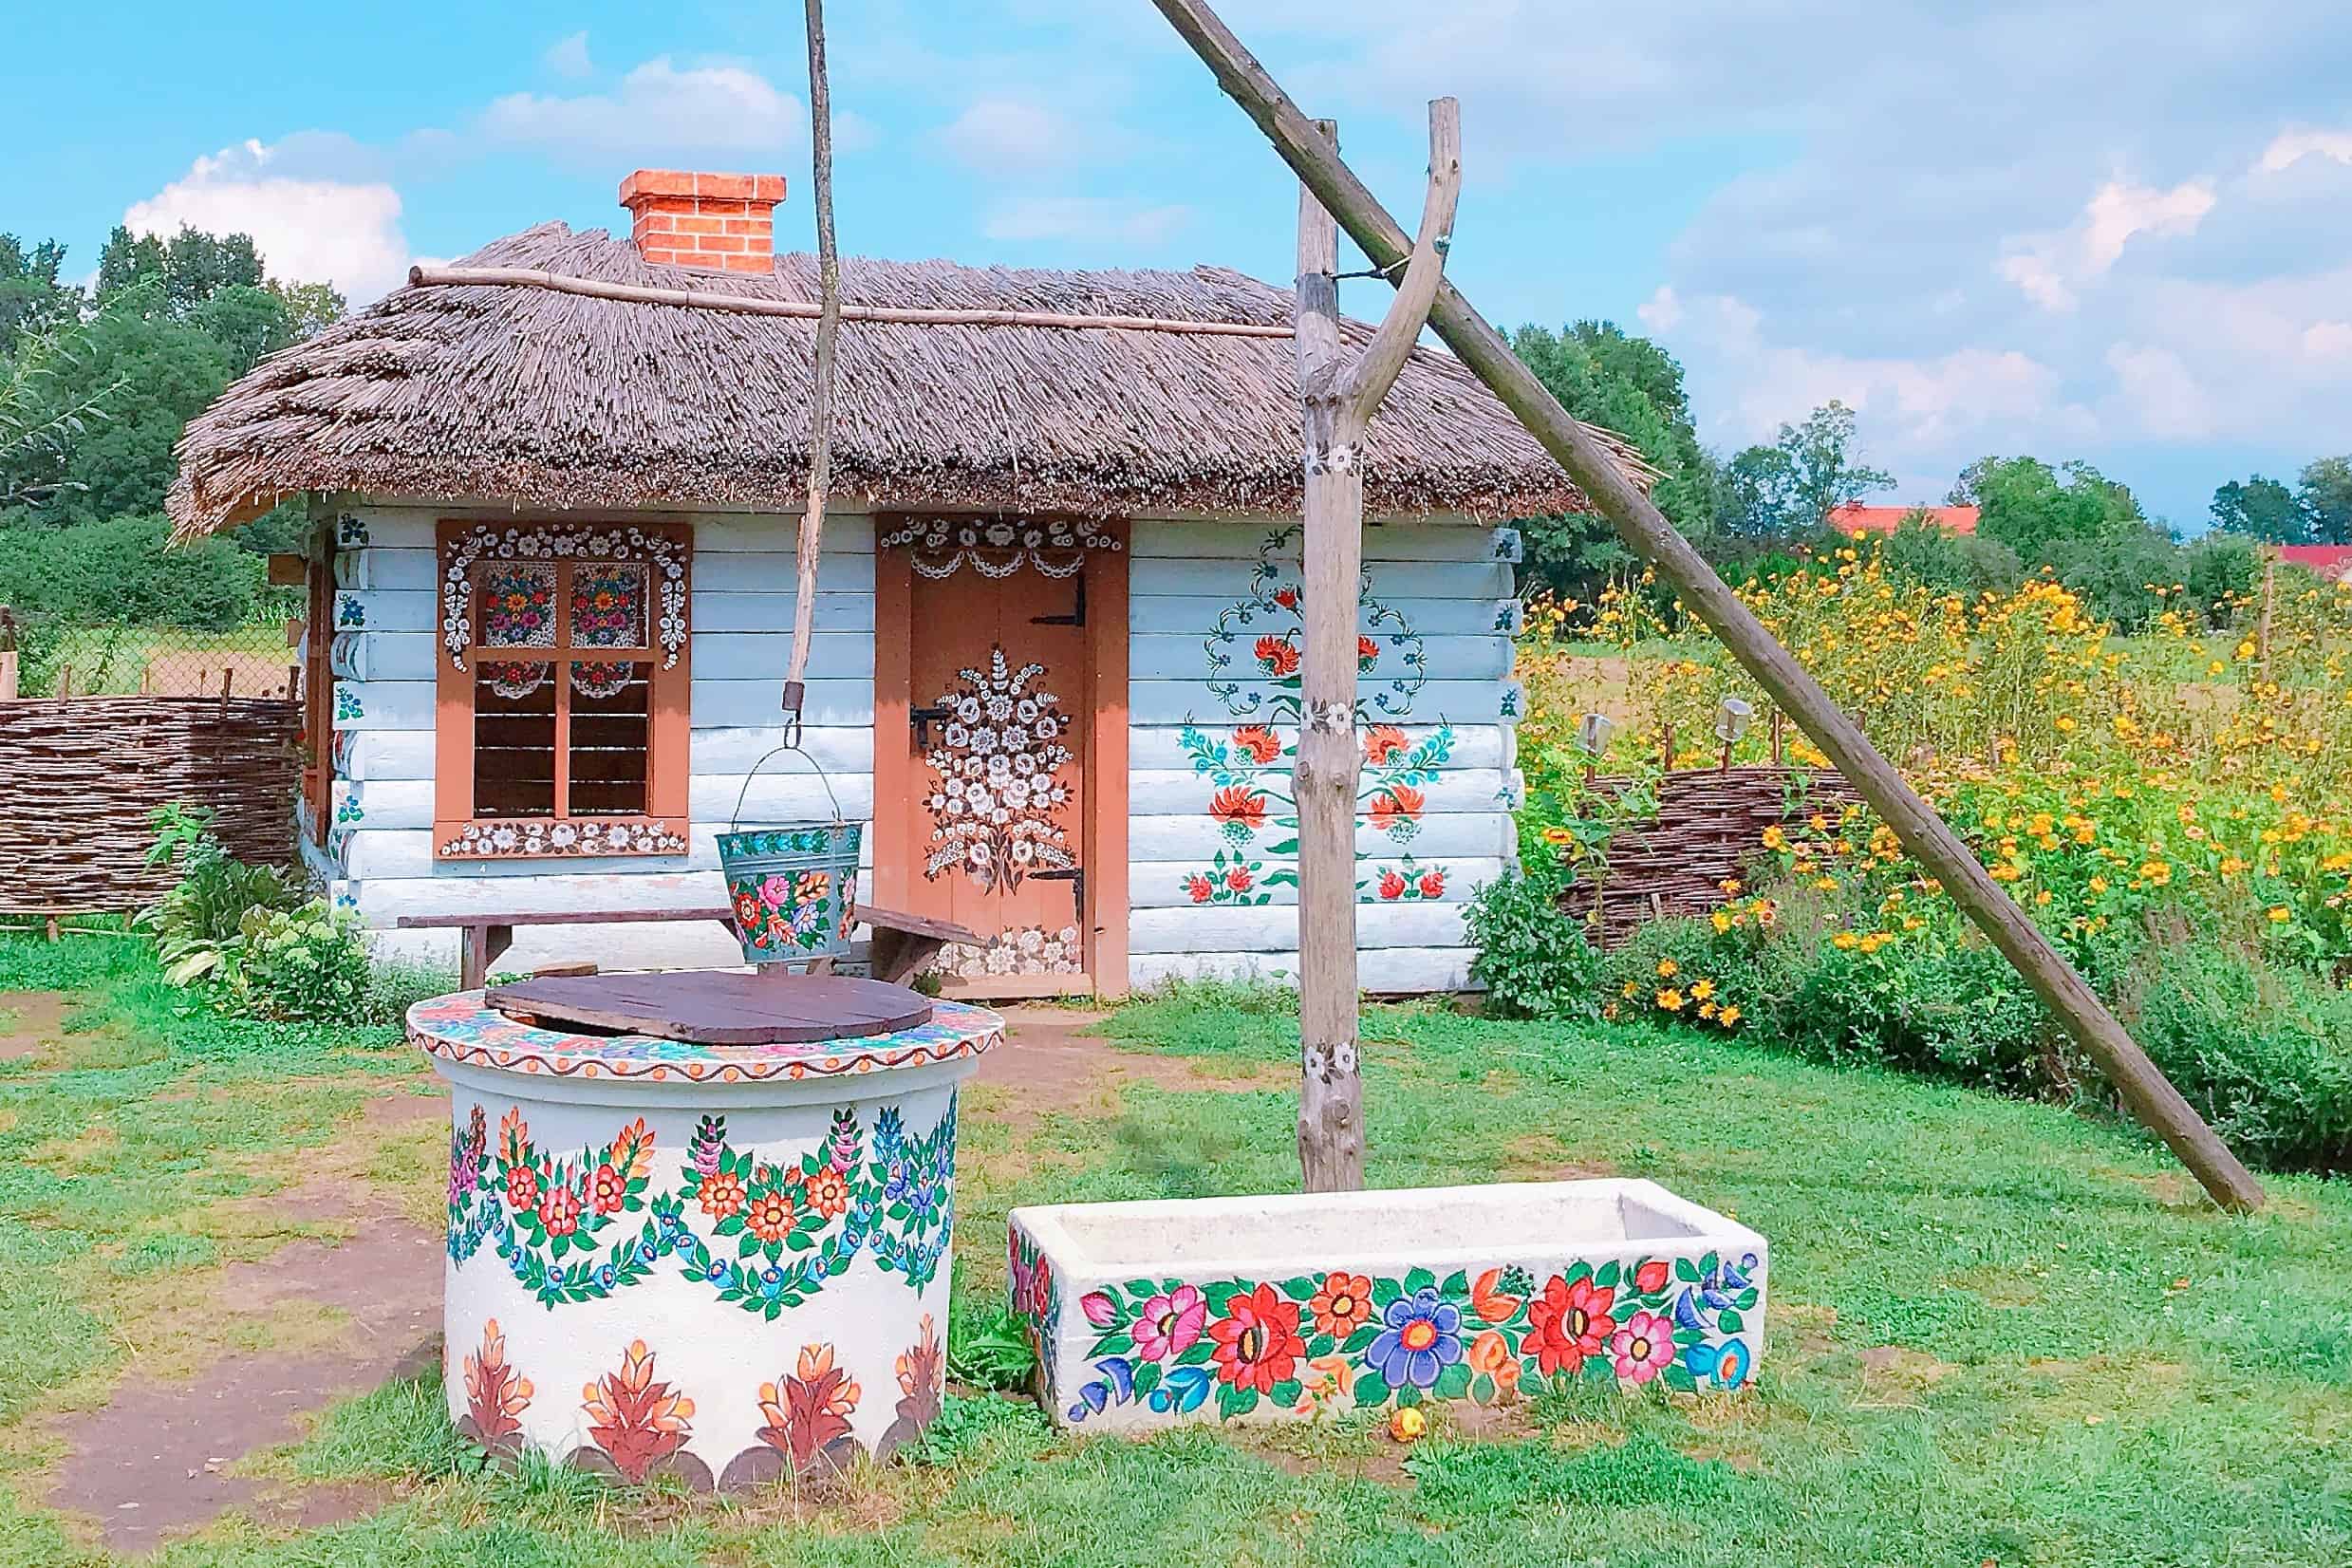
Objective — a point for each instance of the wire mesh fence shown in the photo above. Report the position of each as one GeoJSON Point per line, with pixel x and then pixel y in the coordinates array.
{"type": "Point", "coordinates": [56, 658]}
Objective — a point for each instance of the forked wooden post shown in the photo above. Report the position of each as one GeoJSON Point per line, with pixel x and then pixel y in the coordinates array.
{"type": "Point", "coordinates": [821, 396]}
{"type": "Point", "coordinates": [1338, 396]}
{"type": "Point", "coordinates": [1938, 849]}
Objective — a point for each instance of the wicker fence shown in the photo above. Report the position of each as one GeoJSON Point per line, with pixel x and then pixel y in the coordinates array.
{"type": "Point", "coordinates": [1709, 828]}
{"type": "Point", "coordinates": [78, 781]}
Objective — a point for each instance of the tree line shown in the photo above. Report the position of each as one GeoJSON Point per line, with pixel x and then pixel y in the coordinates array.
{"type": "Point", "coordinates": [97, 382]}
{"type": "Point", "coordinates": [1765, 508]}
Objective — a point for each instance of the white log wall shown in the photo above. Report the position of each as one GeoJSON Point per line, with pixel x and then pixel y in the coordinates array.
{"type": "Point", "coordinates": [1450, 582]}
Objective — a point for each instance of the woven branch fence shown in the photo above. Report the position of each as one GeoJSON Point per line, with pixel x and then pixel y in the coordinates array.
{"type": "Point", "coordinates": [78, 779]}
{"type": "Point", "coordinates": [1708, 829]}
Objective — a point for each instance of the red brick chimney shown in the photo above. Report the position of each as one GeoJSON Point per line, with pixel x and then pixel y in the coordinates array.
{"type": "Point", "coordinates": [688, 219]}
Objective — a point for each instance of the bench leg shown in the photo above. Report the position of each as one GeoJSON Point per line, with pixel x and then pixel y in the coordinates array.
{"type": "Point", "coordinates": [474, 960]}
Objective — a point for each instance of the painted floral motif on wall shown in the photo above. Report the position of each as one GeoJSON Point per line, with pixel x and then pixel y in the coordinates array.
{"type": "Point", "coordinates": [1036, 1300]}
{"type": "Point", "coordinates": [1030, 950]}
{"type": "Point", "coordinates": [996, 786]}
{"type": "Point", "coordinates": [762, 1234]}
{"type": "Point", "coordinates": [536, 838]}
{"type": "Point", "coordinates": [997, 546]}
{"type": "Point", "coordinates": [1248, 768]}
{"type": "Point", "coordinates": [1338, 1340]}
{"type": "Point", "coordinates": [608, 606]}
{"type": "Point", "coordinates": [519, 557]}
{"type": "Point", "coordinates": [519, 605]}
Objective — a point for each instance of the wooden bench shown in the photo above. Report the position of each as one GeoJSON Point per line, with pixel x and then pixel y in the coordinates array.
{"type": "Point", "coordinates": [898, 944]}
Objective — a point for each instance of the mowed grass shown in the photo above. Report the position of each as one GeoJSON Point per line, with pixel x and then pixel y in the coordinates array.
{"type": "Point", "coordinates": [1998, 1332]}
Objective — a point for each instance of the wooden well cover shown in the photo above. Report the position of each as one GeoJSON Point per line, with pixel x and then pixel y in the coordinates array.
{"type": "Point", "coordinates": [719, 1006]}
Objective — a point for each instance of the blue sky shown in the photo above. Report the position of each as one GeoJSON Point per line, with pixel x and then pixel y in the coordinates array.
{"type": "Point", "coordinates": [2118, 231]}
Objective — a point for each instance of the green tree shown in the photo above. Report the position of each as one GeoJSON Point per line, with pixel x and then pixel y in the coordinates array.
{"type": "Point", "coordinates": [31, 298]}
{"type": "Point", "coordinates": [1924, 551]}
{"type": "Point", "coordinates": [190, 268]}
{"type": "Point", "coordinates": [2325, 491]}
{"type": "Point", "coordinates": [2261, 508]}
{"type": "Point", "coordinates": [1788, 490]}
{"type": "Point", "coordinates": [1628, 384]}
{"type": "Point", "coordinates": [2036, 509]}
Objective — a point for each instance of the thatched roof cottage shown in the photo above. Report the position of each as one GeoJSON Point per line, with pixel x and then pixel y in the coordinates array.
{"type": "Point", "coordinates": [554, 567]}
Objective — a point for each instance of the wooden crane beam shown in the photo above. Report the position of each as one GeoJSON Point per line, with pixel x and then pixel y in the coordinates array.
{"type": "Point", "coordinates": [1475, 341]}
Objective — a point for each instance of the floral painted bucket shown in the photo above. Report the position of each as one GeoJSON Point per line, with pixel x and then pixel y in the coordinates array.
{"type": "Point", "coordinates": [793, 884]}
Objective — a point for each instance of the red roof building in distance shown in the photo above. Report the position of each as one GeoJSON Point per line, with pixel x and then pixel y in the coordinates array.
{"type": "Point", "coordinates": [2333, 562]}
{"type": "Point", "coordinates": [1854, 519]}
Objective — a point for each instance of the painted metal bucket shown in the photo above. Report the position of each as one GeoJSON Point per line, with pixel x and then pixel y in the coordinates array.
{"type": "Point", "coordinates": [793, 884]}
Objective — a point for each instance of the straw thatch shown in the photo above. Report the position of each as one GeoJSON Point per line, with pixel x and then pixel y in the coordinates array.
{"type": "Point", "coordinates": [526, 395]}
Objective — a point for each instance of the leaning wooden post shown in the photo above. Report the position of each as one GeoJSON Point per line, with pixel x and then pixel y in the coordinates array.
{"type": "Point", "coordinates": [1338, 396]}
{"type": "Point", "coordinates": [1938, 849]}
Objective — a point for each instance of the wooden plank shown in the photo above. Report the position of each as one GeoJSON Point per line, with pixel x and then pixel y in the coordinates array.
{"type": "Point", "coordinates": [1181, 702]}
{"type": "Point", "coordinates": [720, 1006]}
{"type": "Point", "coordinates": [716, 655]}
{"type": "Point", "coordinates": [1397, 581]}
{"type": "Point", "coordinates": [1193, 614]}
{"type": "Point", "coordinates": [1186, 655]}
{"type": "Point", "coordinates": [1403, 541]}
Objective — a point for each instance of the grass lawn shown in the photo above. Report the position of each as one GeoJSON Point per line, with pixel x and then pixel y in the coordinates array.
{"type": "Point", "coordinates": [1998, 1332]}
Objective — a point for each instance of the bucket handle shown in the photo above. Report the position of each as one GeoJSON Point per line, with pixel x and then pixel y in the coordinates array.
{"type": "Point", "coordinates": [734, 822]}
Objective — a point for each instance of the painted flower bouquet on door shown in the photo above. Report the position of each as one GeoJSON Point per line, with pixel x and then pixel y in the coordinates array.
{"type": "Point", "coordinates": [1681, 1306]}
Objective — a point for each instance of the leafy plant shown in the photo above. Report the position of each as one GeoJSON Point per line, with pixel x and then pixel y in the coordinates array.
{"type": "Point", "coordinates": [199, 925]}
{"type": "Point", "coordinates": [1534, 961]}
{"type": "Point", "coordinates": [965, 1422]}
{"type": "Point", "coordinates": [988, 1348]}
{"type": "Point", "coordinates": [305, 964]}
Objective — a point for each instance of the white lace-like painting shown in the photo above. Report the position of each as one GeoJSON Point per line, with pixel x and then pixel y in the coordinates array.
{"type": "Point", "coordinates": [998, 761]}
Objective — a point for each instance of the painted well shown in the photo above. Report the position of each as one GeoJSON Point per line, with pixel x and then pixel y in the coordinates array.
{"type": "Point", "coordinates": [725, 1264]}
{"type": "Point", "coordinates": [1147, 1314]}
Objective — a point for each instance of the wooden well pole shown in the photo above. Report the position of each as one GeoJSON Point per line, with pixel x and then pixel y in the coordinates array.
{"type": "Point", "coordinates": [1939, 851]}
{"type": "Point", "coordinates": [821, 394]}
{"type": "Point", "coordinates": [1338, 394]}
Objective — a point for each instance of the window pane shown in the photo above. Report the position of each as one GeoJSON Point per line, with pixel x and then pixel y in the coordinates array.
{"type": "Point", "coordinates": [513, 739]}
{"type": "Point", "coordinates": [519, 605]}
{"type": "Point", "coordinates": [608, 605]}
{"type": "Point", "coordinates": [610, 725]}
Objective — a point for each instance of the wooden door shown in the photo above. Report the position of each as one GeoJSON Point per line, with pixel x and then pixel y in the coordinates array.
{"type": "Point", "coordinates": [992, 762]}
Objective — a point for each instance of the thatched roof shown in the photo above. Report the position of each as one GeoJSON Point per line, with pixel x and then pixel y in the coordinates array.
{"type": "Point", "coordinates": [525, 395]}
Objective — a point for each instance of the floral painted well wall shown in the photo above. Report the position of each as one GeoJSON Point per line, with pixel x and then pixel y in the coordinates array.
{"type": "Point", "coordinates": [1216, 612]}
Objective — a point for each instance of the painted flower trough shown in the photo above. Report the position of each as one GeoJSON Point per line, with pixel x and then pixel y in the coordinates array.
{"type": "Point", "coordinates": [1148, 1313]}
{"type": "Point", "coordinates": [721, 1261]}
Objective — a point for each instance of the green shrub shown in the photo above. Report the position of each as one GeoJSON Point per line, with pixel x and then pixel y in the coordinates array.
{"type": "Point", "coordinates": [2263, 1052]}
{"type": "Point", "coordinates": [1943, 1004]}
{"type": "Point", "coordinates": [303, 966]}
{"type": "Point", "coordinates": [123, 570]}
{"type": "Point", "coordinates": [988, 1346]}
{"type": "Point", "coordinates": [1534, 961]}
{"type": "Point", "coordinates": [1685, 971]}
{"type": "Point", "coordinates": [200, 922]}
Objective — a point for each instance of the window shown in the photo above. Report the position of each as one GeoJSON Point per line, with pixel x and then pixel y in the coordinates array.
{"type": "Point", "coordinates": [561, 712]}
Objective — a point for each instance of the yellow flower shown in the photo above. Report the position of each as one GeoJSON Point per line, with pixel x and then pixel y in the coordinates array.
{"type": "Point", "coordinates": [1558, 835]}
{"type": "Point", "coordinates": [1721, 919]}
{"type": "Point", "coordinates": [1701, 990]}
{"type": "Point", "coordinates": [2281, 914]}
{"type": "Point", "coordinates": [1728, 1017]}
{"type": "Point", "coordinates": [1671, 1000]}
{"type": "Point", "coordinates": [2232, 866]}
{"type": "Point", "coordinates": [1844, 938]}
{"type": "Point", "coordinates": [1668, 968]}
{"type": "Point", "coordinates": [1774, 838]}
{"type": "Point", "coordinates": [1630, 990]}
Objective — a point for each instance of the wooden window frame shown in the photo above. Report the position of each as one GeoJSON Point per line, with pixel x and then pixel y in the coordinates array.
{"type": "Point", "coordinates": [662, 829]}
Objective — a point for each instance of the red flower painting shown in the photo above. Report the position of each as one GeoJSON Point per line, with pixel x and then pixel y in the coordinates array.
{"type": "Point", "coordinates": [1569, 1322]}
{"type": "Point", "coordinates": [1367, 653]}
{"type": "Point", "coordinates": [1261, 744]}
{"type": "Point", "coordinates": [1199, 888]}
{"type": "Point", "coordinates": [1391, 886]}
{"type": "Point", "coordinates": [1381, 742]}
{"type": "Point", "coordinates": [1257, 1343]}
{"type": "Point", "coordinates": [1238, 806]}
{"type": "Point", "coordinates": [1277, 656]}
{"type": "Point", "coordinates": [1395, 806]}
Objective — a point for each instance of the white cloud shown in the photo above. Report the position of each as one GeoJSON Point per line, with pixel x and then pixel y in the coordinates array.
{"type": "Point", "coordinates": [1086, 219]}
{"type": "Point", "coordinates": [2329, 339]}
{"type": "Point", "coordinates": [1661, 311]}
{"type": "Point", "coordinates": [569, 57]}
{"type": "Point", "coordinates": [309, 229]}
{"type": "Point", "coordinates": [659, 110]}
{"type": "Point", "coordinates": [2291, 147]}
{"type": "Point", "coordinates": [1008, 135]}
{"type": "Point", "coordinates": [2049, 269]}
{"type": "Point", "coordinates": [2159, 391]}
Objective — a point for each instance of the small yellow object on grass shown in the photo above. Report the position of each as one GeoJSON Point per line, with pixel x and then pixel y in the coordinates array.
{"type": "Point", "coordinates": [1408, 1424]}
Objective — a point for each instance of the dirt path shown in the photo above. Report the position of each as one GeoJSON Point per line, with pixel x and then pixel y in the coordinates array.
{"type": "Point", "coordinates": [31, 1022]}
{"type": "Point", "coordinates": [154, 1462]}
{"type": "Point", "coordinates": [1052, 1061]}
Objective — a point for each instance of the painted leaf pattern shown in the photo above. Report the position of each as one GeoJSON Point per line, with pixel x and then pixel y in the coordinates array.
{"type": "Point", "coordinates": [808, 1410]}
{"type": "Point", "coordinates": [636, 1419]}
{"type": "Point", "coordinates": [495, 1393]}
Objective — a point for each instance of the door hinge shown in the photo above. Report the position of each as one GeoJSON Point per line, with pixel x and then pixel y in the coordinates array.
{"type": "Point", "coordinates": [923, 719]}
{"type": "Point", "coordinates": [1078, 615]}
{"type": "Point", "coordinates": [1075, 876]}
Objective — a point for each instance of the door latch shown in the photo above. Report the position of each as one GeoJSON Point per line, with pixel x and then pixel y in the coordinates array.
{"type": "Point", "coordinates": [923, 719]}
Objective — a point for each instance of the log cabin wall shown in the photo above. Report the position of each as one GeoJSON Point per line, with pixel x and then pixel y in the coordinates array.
{"type": "Point", "coordinates": [1212, 859]}
{"type": "Point", "coordinates": [379, 857]}
{"type": "Point", "coordinates": [1211, 875]}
